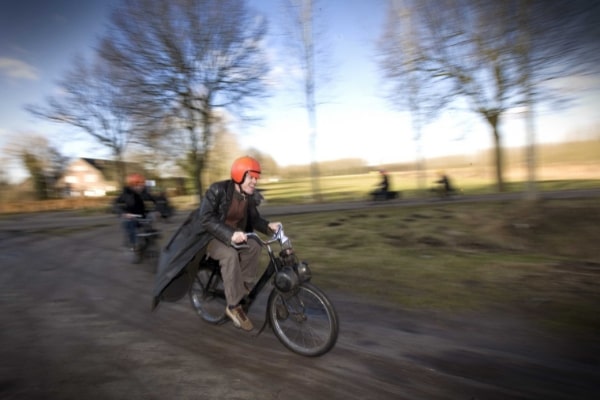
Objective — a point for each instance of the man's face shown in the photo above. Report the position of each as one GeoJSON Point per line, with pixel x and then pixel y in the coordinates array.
{"type": "Point", "coordinates": [249, 184]}
{"type": "Point", "coordinates": [138, 187]}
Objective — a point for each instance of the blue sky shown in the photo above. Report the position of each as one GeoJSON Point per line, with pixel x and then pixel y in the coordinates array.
{"type": "Point", "coordinates": [38, 38]}
{"type": "Point", "coordinates": [37, 41]}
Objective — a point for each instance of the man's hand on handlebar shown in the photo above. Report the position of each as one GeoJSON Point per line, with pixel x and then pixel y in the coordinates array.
{"type": "Point", "coordinates": [130, 216]}
{"type": "Point", "coordinates": [275, 226]}
{"type": "Point", "coordinates": [239, 237]}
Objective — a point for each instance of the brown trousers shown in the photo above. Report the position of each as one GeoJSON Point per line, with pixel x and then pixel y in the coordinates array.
{"type": "Point", "coordinates": [237, 267]}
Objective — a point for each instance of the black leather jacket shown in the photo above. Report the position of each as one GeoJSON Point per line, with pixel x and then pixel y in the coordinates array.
{"type": "Point", "coordinates": [132, 202]}
{"type": "Point", "coordinates": [215, 205]}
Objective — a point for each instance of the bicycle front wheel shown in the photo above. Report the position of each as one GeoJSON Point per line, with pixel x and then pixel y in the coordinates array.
{"type": "Point", "coordinates": [304, 320]}
{"type": "Point", "coordinates": [208, 297]}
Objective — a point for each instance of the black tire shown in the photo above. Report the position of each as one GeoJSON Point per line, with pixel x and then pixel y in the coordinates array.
{"type": "Point", "coordinates": [151, 254]}
{"type": "Point", "coordinates": [304, 321]}
{"type": "Point", "coordinates": [209, 302]}
{"type": "Point", "coordinates": [137, 254]}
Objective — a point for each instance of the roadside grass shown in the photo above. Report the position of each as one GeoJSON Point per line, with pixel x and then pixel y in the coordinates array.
{"type": "Point", "coordinates": [538, 260]}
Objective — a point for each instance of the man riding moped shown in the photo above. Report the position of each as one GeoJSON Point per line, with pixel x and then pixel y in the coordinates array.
{"type": "Point", "coordinates": [227, 211]}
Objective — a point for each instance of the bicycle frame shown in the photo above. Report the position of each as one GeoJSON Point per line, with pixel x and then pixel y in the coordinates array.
{"type": "Point", "coordinates": [147, 237]}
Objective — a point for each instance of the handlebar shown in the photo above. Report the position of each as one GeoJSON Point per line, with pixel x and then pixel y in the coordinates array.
{"type": "Point", "coordinates": [277, 236]}
{"type": "Point", "coordinates": [141, 218]}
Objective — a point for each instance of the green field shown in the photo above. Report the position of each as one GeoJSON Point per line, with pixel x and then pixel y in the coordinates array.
{"type": "Point", "coordinates": [537, 259]}
{"type": "Point", "coordinates": [357, 187]}
{"type": "Point", "coordinates": [561, 166]}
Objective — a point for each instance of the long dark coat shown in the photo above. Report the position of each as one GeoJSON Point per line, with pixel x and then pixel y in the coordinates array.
{"type": "Point", "coordinates": [179, 259]}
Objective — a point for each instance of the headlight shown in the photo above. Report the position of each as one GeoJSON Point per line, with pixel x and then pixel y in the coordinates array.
{"type": "Point", "coordinates": [303, 271]}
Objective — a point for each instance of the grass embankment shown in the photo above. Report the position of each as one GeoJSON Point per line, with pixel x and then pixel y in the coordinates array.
{"type": "Point", "coordinates": [540, 260]}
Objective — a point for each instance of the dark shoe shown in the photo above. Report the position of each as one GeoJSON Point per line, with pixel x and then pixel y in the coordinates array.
{"type": "Point", "coordinates": [239, 318]}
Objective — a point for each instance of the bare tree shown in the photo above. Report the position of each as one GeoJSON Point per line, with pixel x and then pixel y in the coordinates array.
{"type": "Point", "coordinates": [224, 149]}
{"type": "Point", "coordinates": [556, 39]}
{"type": "Point", "coordinates": [302, 32]}
{"type": "Point", "coordinates": [486, 53]}
{"type": "Point", "coordinates": [93, 100]}
{"type": "Point", "coordinates": [41, 159]}
{"type": "Point", "coordinates": [5, 184]}
{"type": "Point", "coordinates": [468, 44]}
{"type": "Point", "coordinates": [187, 58]}
{"type": "Point", "coordinates": [409, 87]}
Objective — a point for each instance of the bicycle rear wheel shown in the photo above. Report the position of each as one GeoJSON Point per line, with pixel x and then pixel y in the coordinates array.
{"type": "Point", "coordinates": [151, 253]}
{"type": "Point", "coordinates": [207, 296]}
{"type": "Point", "coordinates": [304, 320]}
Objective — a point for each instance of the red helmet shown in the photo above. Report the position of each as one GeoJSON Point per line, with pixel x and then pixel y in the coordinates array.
{"type": "Point", "coordinates": [242, 166]}
{"type": "Point", "coordinates": [135, 180]}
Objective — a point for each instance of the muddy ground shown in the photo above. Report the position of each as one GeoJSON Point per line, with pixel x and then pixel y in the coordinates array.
{"type": "Point", "coordinates": [76, 324]}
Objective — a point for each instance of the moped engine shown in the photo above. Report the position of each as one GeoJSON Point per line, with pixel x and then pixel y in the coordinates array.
{"type": "Point", "coordinates": [289, 277]}
{"type": "Point", "coordinates": [286, 279]}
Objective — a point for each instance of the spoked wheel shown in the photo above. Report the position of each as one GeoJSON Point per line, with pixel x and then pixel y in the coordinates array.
{"type": "Point", "coordinates": [208, 297]}
{"type": "Point", "coordinates": [304, 320]}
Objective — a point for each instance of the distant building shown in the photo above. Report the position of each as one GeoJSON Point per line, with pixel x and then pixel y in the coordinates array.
{"type": "Point", "coordinates": [93, 177]}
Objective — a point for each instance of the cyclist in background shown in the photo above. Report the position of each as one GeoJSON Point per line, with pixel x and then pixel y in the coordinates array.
{"type": "Point", "coordinates": [444, 186]}
{"type": "Point", "coordinates": [131, 205]}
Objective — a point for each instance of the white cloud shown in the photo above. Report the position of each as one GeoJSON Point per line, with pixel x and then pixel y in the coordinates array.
{"type": "Point", "coordinates": [17, 69]}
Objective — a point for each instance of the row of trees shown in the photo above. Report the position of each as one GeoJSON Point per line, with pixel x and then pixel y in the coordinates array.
{"type": "Point", "coordinates": [43, 161]}
{"type": "Point", "coordinates": [488, 57]}
{"type": "Point", "coordinates": [168, 76]}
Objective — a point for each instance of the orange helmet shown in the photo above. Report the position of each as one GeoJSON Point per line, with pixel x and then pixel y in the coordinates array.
{"type": "Point", "coordinates": [242, 166]}
{"type": "Point", "coordinates": [135, 180]}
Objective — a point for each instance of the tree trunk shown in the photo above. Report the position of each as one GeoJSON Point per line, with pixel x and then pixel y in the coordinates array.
{"type": "Point", "coordinates": [492, 118]}
{"type": "Point", "coordinates": [121, 168]}
{"type": "Point", "coordinates": [498, 159]}
{"type": "Point", "coordinates": [532, 192]}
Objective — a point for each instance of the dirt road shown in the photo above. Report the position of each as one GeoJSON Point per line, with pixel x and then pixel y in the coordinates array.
{"type": "Point", "coordinates": [76, 324]}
